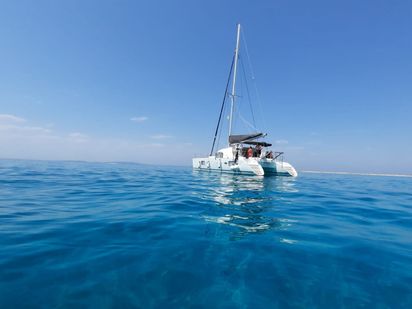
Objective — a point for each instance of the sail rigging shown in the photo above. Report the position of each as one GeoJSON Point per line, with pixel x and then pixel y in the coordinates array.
{"type": "Point", "coordinates": [236, 61]}
{"type": "Point", "coordinates": [223, 106]}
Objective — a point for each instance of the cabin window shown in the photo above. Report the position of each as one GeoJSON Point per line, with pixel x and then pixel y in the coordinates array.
{"type": "Point", "coordinates": [202, 162]}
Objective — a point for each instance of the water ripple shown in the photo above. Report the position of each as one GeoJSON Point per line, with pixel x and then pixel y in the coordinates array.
{"type": "Point", "coordinates": [79, 234]}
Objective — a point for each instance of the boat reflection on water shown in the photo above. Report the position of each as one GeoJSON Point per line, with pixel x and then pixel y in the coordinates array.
{"type": "Point", "coordinates": [248, 204]}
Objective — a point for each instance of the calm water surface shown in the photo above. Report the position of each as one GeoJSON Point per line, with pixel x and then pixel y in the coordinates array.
{"type": "Point", "coordinates": [123, 235]}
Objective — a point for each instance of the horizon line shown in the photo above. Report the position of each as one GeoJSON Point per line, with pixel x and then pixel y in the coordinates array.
{"type": "Point", "coordinates": [186, 165]}
{"type": "Point", "coordinates": [358, 174]}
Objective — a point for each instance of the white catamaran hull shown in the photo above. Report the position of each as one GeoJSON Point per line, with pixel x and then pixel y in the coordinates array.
{"type": "Point", "coordinates": [255, 166]}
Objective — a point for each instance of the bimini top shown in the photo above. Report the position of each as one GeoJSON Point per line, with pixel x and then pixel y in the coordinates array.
{"type": "Point", "coordinates": [244, 138]}
{"type": "Point", "coordinates": [263, 144]}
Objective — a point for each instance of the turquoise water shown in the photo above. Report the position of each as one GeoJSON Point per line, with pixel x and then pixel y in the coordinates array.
{"type": "Point", "coordinates": [124, 235]}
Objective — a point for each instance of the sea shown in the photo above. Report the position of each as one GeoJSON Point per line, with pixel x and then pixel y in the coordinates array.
{"type": "Point", "coordinates": [124, 235]}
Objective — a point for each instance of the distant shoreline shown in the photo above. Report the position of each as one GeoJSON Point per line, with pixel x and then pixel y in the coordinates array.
{"type": "Point", "coordinates": [358, 174]}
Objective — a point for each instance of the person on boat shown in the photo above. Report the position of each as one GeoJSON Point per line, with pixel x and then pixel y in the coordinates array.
{"type": "Point", "coordinates": [258, 150]}
{"type": "Point", "coordinates": [269, 155]}
{"type": "Point", "coordinates": [250, 152]}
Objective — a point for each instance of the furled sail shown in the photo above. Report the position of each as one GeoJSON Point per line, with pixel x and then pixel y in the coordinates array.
{"type": "Point", "coordinates": [237, 139]}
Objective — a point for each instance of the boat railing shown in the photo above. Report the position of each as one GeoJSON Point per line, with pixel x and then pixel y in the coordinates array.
{"type": "Point", "coordinates": [278, 155]}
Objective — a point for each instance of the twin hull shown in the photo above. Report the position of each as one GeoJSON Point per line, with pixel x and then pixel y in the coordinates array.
{"type": "Point", "coordinates": [256, 166]}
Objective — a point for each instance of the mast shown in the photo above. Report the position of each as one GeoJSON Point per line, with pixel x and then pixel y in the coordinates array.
{"type": "Point", "coordinates": [232, 103]}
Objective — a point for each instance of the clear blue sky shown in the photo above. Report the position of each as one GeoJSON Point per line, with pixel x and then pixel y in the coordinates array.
{"type": "Point", "coordinates": [143, 80]}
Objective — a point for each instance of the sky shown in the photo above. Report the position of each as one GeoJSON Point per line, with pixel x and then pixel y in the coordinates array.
{"type": "Point", "coordinates": [143, 81]}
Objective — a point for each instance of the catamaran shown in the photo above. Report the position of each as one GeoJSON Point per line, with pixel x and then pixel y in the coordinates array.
{"type": "Point", "coordinates": [245, 153]}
